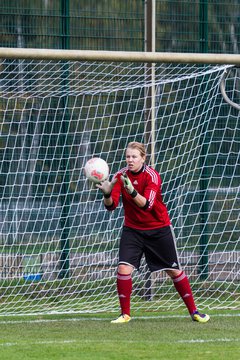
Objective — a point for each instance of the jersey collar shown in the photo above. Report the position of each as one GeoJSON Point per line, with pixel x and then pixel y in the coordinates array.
{"type": "Point", "coordinates": [139, 171]}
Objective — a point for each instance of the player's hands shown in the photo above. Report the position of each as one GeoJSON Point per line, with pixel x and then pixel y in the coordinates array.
{"type": "Point", "coordinates": [107, 186]}
{"type": "Point", "coordinates": [127, 183]}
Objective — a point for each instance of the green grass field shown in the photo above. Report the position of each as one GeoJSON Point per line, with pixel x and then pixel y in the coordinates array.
{"type": "Point", "coordinates": [153, 336]}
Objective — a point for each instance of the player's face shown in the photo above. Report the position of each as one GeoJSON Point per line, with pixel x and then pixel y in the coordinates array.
{"type": "Point", "coordinates": [134, 159]}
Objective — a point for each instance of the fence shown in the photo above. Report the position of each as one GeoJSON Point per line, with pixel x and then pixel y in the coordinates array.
{"type": "Point", "coordinates": [181, 26]}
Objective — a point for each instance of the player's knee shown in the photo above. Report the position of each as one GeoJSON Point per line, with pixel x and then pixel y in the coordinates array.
{"type": "Point", "coordinates": [124, 269]}
{"type": "Point", "coordinates": [173, 273]}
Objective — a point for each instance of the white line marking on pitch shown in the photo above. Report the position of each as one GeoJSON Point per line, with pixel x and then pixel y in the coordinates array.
{"type": "Point", "coordinates": [38, 343]}
{"type": "Point", "coordinates": [105, 319]}
{"type": "Point", "coordinates": [192, 341]}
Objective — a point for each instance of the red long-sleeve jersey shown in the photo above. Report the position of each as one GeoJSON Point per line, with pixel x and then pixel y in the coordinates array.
{"type": "Point", "coordinates": [147, 182]}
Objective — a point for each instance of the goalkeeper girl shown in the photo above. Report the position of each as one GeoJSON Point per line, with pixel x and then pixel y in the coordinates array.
{"type": "Point", "coordinates": [147, 230]}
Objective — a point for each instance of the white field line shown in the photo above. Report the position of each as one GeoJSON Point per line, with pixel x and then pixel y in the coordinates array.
{"type": "Point", "coordinates": [32, 321]}
{"type": "Point", "coordinates": [36, 343]}
{"type": "Point", "coordinates": [192, 341]}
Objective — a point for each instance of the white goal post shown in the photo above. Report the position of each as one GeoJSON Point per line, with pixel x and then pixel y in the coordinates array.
{"type": "Point", "coordinates": [58, 245]}
{"type": "Point", "coordinates": [119, 56]}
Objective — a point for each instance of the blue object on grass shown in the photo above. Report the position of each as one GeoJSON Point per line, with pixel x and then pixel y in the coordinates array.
{"type": "Point", "coordinates": [32, 277]}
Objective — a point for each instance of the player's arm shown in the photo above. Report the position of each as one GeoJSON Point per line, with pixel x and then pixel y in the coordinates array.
{"type": "Point", "coordinates": [139, 200]}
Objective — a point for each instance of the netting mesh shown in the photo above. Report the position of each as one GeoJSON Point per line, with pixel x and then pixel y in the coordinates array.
{"type": "Point", "coordinates": [58, 245]}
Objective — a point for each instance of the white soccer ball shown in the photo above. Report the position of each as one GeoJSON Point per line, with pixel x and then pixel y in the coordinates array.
{"type": "Point", "coordinates": [96, 170]}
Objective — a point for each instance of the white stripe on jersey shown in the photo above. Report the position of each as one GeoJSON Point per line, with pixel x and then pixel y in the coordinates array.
{"type": "Point", "coordinates": [152, 197]}
{"type": "Point", "coordinates": [153, 175]}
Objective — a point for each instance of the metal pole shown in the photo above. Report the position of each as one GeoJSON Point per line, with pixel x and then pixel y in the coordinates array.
{"type": "Point", "coordinates": [64, 161]}
{"type": "Point", "coordinates": [119, 56]}
{"type": "Point", "coordinates": [150, 46]}
{"type": "Point", "coordinates": [203, 242]}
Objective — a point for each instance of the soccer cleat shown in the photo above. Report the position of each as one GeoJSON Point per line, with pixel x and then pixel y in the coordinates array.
{"type": "Point", "coordinates": [123, 318]}
{"type": "Point", "coordinates": [201, 318]}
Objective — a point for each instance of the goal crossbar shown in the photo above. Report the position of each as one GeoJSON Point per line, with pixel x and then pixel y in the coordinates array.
{"type": "Point", "coordinates": [121, 56]}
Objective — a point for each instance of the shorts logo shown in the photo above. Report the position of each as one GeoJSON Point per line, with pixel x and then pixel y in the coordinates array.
{"type": "Point", "coordinates": [174, 264]}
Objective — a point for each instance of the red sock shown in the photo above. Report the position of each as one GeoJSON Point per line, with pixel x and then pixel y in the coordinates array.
{"type": "Point", "coordinates": [124, 288]}
{"type": "Point", "coordinates": [182, 286]}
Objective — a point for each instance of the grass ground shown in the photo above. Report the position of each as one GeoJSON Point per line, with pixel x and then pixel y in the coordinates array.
{"type": "Point", "coordinates": [165, 336]}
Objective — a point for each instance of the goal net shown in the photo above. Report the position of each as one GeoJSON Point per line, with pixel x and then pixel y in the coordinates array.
{"type": "Point", "coordinates": [58, 244]}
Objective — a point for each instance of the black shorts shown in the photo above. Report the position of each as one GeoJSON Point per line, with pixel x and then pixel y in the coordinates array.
{"type": "Point", "coordinates": [157, 245]}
